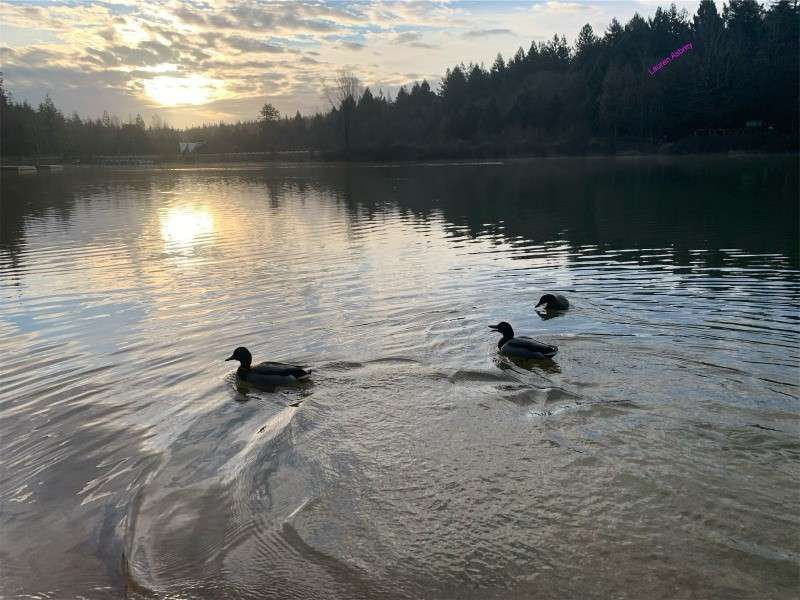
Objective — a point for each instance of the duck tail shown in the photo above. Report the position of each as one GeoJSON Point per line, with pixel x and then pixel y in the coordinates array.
{"type": "Point", "coordinates": [306, 373]}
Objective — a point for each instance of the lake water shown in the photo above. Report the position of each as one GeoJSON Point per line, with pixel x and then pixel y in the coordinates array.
{"type": "Point", "coordinates": [657, 456]}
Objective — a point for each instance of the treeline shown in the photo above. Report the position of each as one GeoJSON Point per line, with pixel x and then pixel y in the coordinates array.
{"type": "Point", "coordinates": [597, 96]}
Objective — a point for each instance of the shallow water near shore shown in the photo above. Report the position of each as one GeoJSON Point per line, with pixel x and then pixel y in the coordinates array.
{"type": "Point", "coordinates": [656, 456]}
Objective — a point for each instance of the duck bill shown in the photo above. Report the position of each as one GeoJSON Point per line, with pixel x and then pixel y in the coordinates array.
{"type": "Point", "coordinates": [229, 358]}
{"type": "Point", "coordinates": [493, 327]}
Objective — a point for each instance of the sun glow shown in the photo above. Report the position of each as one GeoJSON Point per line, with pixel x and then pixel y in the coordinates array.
{"type": "Point", "coordinates": [174, 91]}
{"type": "Point", "coordinates": [182, 226]}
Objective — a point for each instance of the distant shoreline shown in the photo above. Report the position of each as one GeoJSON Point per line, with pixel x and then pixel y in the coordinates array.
{"type": "Point", "coordinates": [747, 141]}
{"type": "Point", "coordinates": [487, 161]}
{"type": "Point", "coordinates": [722, 143]}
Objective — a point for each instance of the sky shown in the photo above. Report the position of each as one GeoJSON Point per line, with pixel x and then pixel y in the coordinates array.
{"type": "Point", "coordinates": [195, 62]}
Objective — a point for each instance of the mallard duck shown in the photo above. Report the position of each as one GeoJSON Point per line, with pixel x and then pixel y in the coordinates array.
{"type": "Point", "coordinates": [553, 302]}
{"type": "Point", "coordinates": [521, 347]}
{"type": "Point", "coordinates": [266, 373]}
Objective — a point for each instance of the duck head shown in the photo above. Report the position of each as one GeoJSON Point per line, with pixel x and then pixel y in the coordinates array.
{"type": "Point", "coordinates": [243, 355]}
{"type": "Point", "coordinates": [503, 328]}
{"type": "Point", "coordinates": [546, 300]}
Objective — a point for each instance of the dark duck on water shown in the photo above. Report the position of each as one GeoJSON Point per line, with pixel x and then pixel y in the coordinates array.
{"type": "Point", "coordinates": [266, 373]}
{"type": "Point", "coordinates": [521, 347]}
{"type": "Point", "coordinates": [553, 302]}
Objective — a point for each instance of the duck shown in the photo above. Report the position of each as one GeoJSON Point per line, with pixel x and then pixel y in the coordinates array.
{"type": "Point", "coordinates": [553, 302]}
{"type": "Point", "coordinates": [266, 373]}
{"type": "Point", "coordinates": [521, 347]}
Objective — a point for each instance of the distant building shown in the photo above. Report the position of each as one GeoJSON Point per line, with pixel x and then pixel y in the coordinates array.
{"type": "Point", "coordinates": [188, 147]}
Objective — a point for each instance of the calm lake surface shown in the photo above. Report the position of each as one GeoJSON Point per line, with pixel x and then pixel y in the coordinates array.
{"type": "Point", "coordinates": [657, 456]}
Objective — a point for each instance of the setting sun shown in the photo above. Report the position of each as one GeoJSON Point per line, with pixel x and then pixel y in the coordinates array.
{"type": "Point", "coordinates": [175, 91]}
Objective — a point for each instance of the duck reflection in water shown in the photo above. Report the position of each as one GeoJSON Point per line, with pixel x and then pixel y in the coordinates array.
{"type": "Point", "coordinates": [546, 365]}
{"type": "Point", "coordinates": [549, 314]}
{"type": "Point", "coordinates": [245, 391]}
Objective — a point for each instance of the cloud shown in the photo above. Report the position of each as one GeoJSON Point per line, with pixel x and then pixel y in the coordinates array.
{"type": "Point", "coordinates": [278, 17]}
{"type": "Point", "coordinates": [147, 54]}
{"type": "Point", "coordinates": [481, 33]}
{"type": "Point", "coordinates": [246, 44]}
{"type": "Point", "coordinates": [61, 78]}
{"type": "Point", "coordinates": [191, 17]}
{"type": "Point", "coordinates": [101, 58]}
{"type": "Point", "coordinates": [412, 38]}
{"type": "Point", "coordinates": [36, 57]}
{"type": "Point", "coordinates": [351, 45]}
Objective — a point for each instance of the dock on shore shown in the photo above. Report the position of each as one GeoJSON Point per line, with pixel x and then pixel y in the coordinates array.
{"type": "Point", "coordinates": [18, 169]}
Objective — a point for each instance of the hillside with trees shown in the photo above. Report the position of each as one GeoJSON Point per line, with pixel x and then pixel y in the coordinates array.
{"type": "Point", "coordinates": [735, 89]}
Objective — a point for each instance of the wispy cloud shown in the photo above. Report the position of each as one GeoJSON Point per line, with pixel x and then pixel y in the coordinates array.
{"type": "Point", "coordinates": [414, 39]}
{"type": "Point", "coordinates": [482, 33]}
{"type": "Point", "coordinates": [351, 45]}
{"type": "Point", "coordinates": [248, 44]}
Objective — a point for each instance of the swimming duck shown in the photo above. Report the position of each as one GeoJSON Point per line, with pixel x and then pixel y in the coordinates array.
{"type": "Point", "coordinates": [553, 302]}
{"type": "Point", "coordinates": [266, 373]}
{"type": "Point", "coordinates": [521, 347]}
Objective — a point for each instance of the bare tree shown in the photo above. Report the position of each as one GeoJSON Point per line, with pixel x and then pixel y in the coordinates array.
{"type": "Point", "coordinates": [342, 94]}
{"type": "Point", "coordinates": [345, 85]}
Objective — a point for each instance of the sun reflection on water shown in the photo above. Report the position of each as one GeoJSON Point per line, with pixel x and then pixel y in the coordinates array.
{"type": "Point", "coordinates": [184, 226]}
